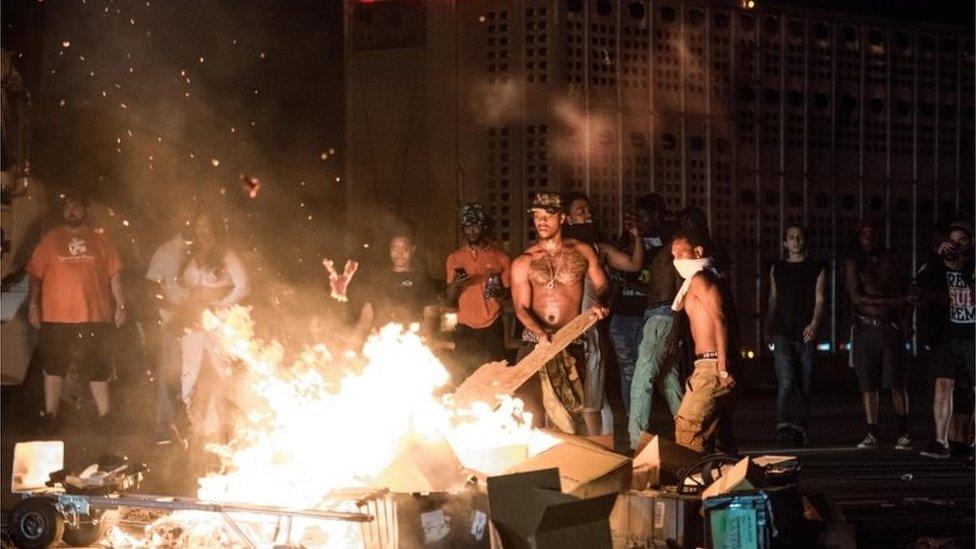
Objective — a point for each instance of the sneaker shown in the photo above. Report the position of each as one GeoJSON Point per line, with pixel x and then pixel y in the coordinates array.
{"type": "Point", "coordinates": [904, 443]}
{"type": "Point", "coordinates": [936, 450]}
{"type": "Point", "coordinates": [868, 442]}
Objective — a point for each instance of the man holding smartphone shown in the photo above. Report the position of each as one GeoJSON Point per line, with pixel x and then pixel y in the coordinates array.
{"type": "Point", "coordinates": [478, 277]}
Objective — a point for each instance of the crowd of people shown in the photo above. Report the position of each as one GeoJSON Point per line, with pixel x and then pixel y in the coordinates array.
{"type": "Point", "coordinates": [661, 293]}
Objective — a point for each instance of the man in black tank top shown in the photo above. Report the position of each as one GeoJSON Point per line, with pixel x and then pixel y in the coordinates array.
{"type": "Point", "coordinates": [796, 304]}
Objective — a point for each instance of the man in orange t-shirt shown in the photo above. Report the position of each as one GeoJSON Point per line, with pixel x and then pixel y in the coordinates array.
{"type": "Point", "coordinates": [75, 299]}
{"type": "Point", "coordinates": [478, 277]}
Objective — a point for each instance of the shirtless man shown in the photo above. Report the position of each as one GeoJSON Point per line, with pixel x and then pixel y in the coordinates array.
{"type": "Point", "coordinates": [547, 291]}
{"type": "Point", "coordinates": [879, 292]}
{"type": "Point", "coordinates": [704, 419]}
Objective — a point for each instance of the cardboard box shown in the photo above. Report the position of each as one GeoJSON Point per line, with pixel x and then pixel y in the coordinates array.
{"type": "Point", "coordinates": [442, 520]}
{"type": "Point", "coordinates": [657, 462]}
{"type": "Point", "coordinates": [743, 476]}
{"type": "Point", "coordinates": [586, 469]}
{"type": "Point", "coordinates": [656, 519]}
{"type": "Point", "coordinates": [530, 511]}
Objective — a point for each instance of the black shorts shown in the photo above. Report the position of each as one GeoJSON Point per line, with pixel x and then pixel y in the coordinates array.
{"type": "Point", "coordinates": [953, 359]}
{"type": "Point", "coordinates": [878, 356]}
{"type": "Point", "coordinates": [87, 343]}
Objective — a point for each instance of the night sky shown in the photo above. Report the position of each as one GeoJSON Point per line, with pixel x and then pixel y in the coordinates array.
{"type": "Point", "coordinates": [144, 103]}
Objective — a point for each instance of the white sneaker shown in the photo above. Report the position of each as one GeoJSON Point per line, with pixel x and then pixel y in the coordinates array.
{"type": "Point", "coordinates": [904, 443]}
{"type": "Point", "coordinates": [868, 442]}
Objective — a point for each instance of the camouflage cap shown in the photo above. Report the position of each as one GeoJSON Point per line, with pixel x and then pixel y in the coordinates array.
{"type": "Point", "coordinates": [472, 213]}
{"type": "Point", "coordinates": [549, 202]}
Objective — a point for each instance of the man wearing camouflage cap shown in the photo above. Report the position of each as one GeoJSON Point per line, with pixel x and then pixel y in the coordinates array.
{"type": "Point", "coordinates": [478, 277]}
{"type": "Point", "coordinates": [547, 290]}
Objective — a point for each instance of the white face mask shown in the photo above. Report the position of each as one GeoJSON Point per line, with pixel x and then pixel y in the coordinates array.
{"type": "Point", "coordinates": [687, 268]}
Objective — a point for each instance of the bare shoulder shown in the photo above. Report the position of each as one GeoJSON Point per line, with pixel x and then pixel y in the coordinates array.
{"type": "Point", "coordinates": [584, 249]}
{"type": "Point", "coordinates": [703, 281]}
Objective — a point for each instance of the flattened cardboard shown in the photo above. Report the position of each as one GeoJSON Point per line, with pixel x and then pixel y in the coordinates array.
{"type": "Point", "coordinates": [529, 511]}
{"type": "Point", "coordinates": [658, 460]}
{"type": "Point", "coordinates": [497, 378]}
{"type": "Point", "coordinates": [743, 476]}
{"type": "Point", "coordinates": [585, 469]}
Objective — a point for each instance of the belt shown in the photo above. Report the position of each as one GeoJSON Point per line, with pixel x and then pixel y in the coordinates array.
{"type": "Point", "coordinates": [876, 320]}
{"type": "Point", "coordinates": [528, 336]}
{"type": "Point", "coordinates": [707, 355]}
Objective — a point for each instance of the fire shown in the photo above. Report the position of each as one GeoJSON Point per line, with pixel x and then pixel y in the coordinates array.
{"type": "Point", "coordinates": [328, 422]}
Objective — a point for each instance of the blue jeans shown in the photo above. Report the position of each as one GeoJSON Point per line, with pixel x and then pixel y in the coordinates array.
{"type": "Point", "coordinates": [651, 370]}
{"type": "Point", "coordinates": [626, 333]}
{"type": "Point", "coordinates": [794, 372]}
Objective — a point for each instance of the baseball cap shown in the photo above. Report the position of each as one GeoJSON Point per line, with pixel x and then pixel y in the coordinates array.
{"type": "Point", "coordinates": [471, 213]}
{"type": "Point", "coordinates": [549, 202]}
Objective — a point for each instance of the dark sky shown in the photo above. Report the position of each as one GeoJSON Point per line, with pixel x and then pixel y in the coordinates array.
{"type": "Point", "coordinates": [143, 103]}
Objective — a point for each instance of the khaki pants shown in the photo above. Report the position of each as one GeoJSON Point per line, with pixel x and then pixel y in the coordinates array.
{"type": "Point", "coordinates": [704, 419]}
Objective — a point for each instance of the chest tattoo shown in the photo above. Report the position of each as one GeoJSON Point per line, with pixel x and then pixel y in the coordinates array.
{"type": "Point", "coordinates": [563, 268]}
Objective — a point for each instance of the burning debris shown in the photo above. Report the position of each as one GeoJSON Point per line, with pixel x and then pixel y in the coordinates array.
{"type": "Point", "coordinates": [339, 284]}
{"type": "Point", "coordinates": [251, 185]}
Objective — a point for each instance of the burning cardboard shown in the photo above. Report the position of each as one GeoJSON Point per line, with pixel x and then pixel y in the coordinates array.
{"type": "Point", "coordinates": [585, 469]}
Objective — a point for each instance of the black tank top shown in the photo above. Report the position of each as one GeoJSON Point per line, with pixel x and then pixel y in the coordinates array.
{"type": "Point", "coordinates": [796, 285]}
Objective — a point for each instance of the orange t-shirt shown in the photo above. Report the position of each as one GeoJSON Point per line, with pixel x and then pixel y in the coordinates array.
{"type": "Point", "coordinates": [474, 310]}
{"type": "Point", "coordinates": [74, 268]}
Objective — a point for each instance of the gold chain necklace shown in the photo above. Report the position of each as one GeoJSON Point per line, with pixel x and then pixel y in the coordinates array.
{"type": "Point", "coordinates": [553, 268]}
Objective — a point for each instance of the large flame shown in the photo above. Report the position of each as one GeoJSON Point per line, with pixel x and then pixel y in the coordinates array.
{"type": "Point", "coordinates": [329, 422]}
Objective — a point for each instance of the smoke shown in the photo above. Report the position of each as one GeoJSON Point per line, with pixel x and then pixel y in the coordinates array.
{"type": "Point", "coordinates": [149, 105]}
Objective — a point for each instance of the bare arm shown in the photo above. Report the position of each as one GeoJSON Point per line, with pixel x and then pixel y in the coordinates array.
{"type": "Point", "coordinates": [364, 324]}
{"type": "Point", "coordinates": [522, 298]}
{"type": "Point", "coordinates": [429, 325]}
{"type": "Point", "coordinates": [810, 331]}
{"type": "Point", "coordinates": [856, 292]}
{"type": "Point", "coordinates": [619, 260]}
{"type": "Point", "coordinates": [771, 305]}
{"type": "Point", "coordinates": [115, 281]}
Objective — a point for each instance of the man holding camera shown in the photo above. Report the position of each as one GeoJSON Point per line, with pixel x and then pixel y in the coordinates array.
{"type": "Point", "coordinates": [478, 276]}
{"type": "Point", "coordinates": [950, 285]}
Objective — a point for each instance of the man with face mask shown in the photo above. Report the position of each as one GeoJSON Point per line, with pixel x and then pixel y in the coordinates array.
{"type": "Point", "coordinates": [547, 291]}
{"type": "Point", "coordinates": [478, 277]}
{"type": "Point", "coordinates": [75, 299]}
{"type": "Point", "coordinates": [703, 421]}
{"type": "Point", "coordinates": [879, 294]}
{"type": "Point", "coordinates": [953, 357]}
{"type": "Point", "coordinates": [580, 226]}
